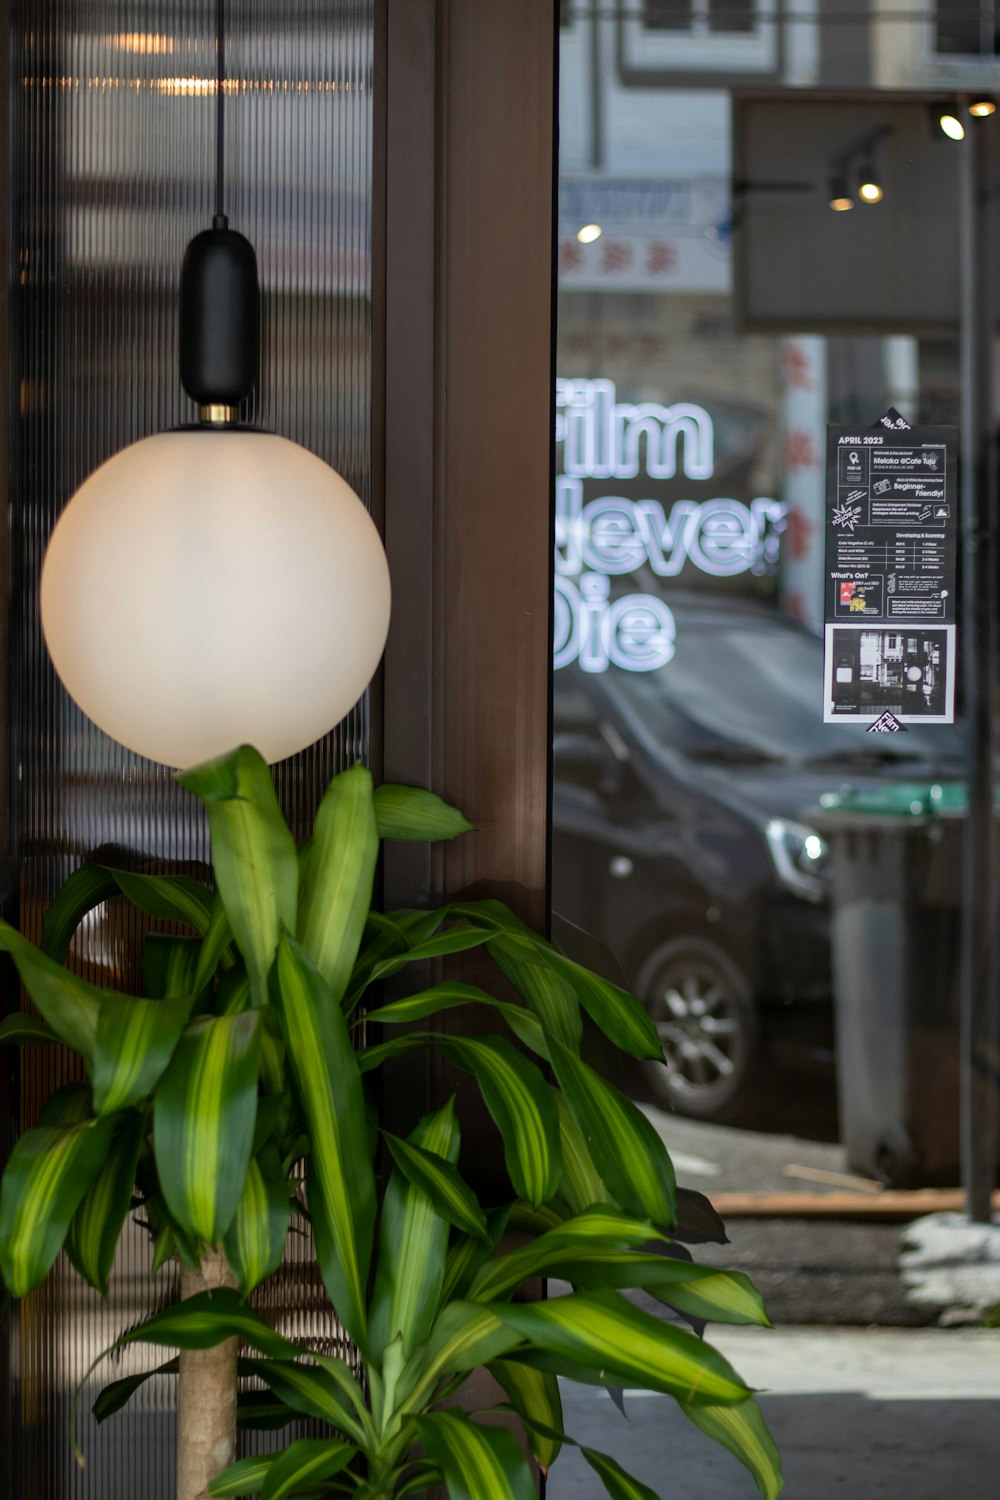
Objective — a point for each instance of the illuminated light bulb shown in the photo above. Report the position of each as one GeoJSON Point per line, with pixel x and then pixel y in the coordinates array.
{"type": "Point", "coordinates": [209, 588]}
{"type": "Point", "coordinates": [952, 127]}
{"type": "Point", "coordinates": [589, 233]}
{"type": "Point", "coordinates": [869, 191]}
{"type": "Point", "coordinates": [982, 108]}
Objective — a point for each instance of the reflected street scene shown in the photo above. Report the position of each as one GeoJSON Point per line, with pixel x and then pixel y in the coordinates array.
{"type": "Point", "coordinates": [761, 798]}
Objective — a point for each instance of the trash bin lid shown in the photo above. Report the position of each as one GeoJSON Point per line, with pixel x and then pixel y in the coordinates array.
{"type": "Point", "coordinates": [900, 799]}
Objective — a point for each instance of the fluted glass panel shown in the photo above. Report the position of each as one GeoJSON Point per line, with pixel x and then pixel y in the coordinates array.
{"type": "Point", "coordinates": [113, 168]}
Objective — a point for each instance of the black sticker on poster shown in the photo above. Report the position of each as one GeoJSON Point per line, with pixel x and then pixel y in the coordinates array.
{"type": "Point", "coordinates": [891, 550]}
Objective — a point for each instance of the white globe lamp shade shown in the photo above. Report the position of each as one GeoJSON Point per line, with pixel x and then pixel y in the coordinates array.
{"type": "Point", "coordinates": [209, 588]}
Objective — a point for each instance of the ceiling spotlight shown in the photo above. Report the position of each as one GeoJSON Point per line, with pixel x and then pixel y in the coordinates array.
{"type": "Point", "coordinates": [951, 126]}
{"type": "Point", "coordinates": [840, 198]}
{"type": "Point", "coordinates": [589, 233]}
{"type": "Point", "coordinates": [869, 188]}
{"type": "Point", "coordinates": [981, 108]}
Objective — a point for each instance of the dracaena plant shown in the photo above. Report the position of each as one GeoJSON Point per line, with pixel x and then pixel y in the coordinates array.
{"type": "Point", "coordinates": [246, 1057]}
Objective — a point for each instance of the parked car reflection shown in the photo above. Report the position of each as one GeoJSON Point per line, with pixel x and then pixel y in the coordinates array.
{"type": "Point", "coordinates": [682, 838]}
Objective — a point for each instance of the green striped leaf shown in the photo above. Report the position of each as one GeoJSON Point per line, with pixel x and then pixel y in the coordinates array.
{"type": "Point", "coordinates": [458, 939]}
{"type": "Point", "coordinates": [169, 966]}
{"type": "Point", "coordinates": [308, 1461]}
{"type": "Point", "coordinates": [255, 1240]}
{"type": "Point", "coordinates": [25, 1030]}
{"type": "Point", "coordinates": [203, 1122]}
{"type": "Point", "coordinates": [700, 1291]}
{"type": "Point", "coordinates": [622, 1018]}
{"type": "Point", "coordinates": [599, 1231]}
{"type": "Point", "coordinates": [478, 1463]}
{"type": "Point", "coordinates": [552, 1001]}
{"type": "Point", "coordinates": [215, 949]}
{"type": "Point", "coordinates": [79, 893]}
{"type": "Point", "coordinates": [409, 812]}
{"type": "Point", "coordinates": [534, 1395]}
{"type": "Point", "coordinates": [118, 1393]}
{"type": "Point", "coordinates": [465, 1336]}
{"type": "Point", "coordinates": [49, 1171]}
{"type": "Point", "coordinates": [413, 1241]}
{"type": "Point", "coordinates": [622, 1144]}
{"type": "Point", "coordinates": [135, 1042]}
{"type": "Point", "coordinates": [70, 1005]}
{"type": "Point", "coordinates": [173, 898]}
{"type": "Point", "coordinates": [326, 1390]}
{"type": "Point", "coordinates": [441, 1182]}
{"type": "Point", "coordinates": [169, 898]}
{"type": "Point", "coordinates": [339, 873]}
{"type": "Point", "coordinates": [451, 993]}
{"type": "Point", "coordinates": [420, 1477]}
{"type": "Point", "coordinates": [253, 852]}
{"type": "Point", "coordinates": [341, 1174]}
{"type": "Point", "coordinates": [619, 1485]}
{"type": "Point", "coordinates": [582, 1185]}
{"type": "Point", "coordinates": [520, 1101]}
{"type": "Point", "coordinates": [244, 1477]}
{"type": "Point", "coordinates": [744, 1432]}
{"type": "Point", "coordinates": [97, 1224]}
{"type": "Point", "coordinates": [467, 1255]}
{"type": "Point", "coordinates": [615, 1343]}
{"type": "Point", "coordinates": [208, 1319]}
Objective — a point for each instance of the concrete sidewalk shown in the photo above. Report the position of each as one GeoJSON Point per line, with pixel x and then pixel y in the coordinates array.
{"type": "Point", "coordinates": [858, 1413]}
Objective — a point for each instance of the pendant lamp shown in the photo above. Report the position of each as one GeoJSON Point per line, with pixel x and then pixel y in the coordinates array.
{"type": "Point", "coordinates": [216, 585]}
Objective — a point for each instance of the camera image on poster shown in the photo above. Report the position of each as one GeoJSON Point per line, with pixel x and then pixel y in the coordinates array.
{"type": "Point", "coordinates": [891, 545]}
{"type": "Point", "coordinates": [907, 672]}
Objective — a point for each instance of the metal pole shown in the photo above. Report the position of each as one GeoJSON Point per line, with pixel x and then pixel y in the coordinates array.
{"type": "Point", "coordinates": [979, 653]}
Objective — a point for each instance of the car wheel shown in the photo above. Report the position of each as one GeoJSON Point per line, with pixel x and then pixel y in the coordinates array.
{"type": "Point", "coordinates": [703, 1008]}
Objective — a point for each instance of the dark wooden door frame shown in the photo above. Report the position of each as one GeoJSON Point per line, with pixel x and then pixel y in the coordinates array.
{"type": "Point", "coordinates": [464, 318]}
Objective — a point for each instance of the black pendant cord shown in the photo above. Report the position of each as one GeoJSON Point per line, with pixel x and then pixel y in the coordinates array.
{"type": "Point", "coordinates": [221, 222]}
{"type": "Point", "coordinates": [220, 296]}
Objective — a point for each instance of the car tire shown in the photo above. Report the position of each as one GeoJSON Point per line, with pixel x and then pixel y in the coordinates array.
{"type": "Point", "coordinates": [703, 1007]}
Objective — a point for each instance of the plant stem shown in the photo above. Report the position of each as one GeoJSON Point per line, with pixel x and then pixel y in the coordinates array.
{"type": "Point", "coordinates": [206, 1394]}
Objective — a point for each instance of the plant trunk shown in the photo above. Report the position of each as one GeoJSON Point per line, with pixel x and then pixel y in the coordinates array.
{"type": "Point", "coordinates": [206, 1394]}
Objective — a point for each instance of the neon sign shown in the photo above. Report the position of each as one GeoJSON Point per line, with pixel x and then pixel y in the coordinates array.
{"type": "Point", "coordinates": [612, 536]}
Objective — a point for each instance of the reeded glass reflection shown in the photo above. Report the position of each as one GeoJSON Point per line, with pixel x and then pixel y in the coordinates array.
{"type": "Point", "coordinates": [113, 161]}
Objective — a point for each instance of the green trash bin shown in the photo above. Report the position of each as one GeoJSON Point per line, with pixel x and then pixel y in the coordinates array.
{"type": "Point", "coordinates": [896, 907]}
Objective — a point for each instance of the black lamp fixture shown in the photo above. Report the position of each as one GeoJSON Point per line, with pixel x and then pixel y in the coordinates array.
{"type": "Point", "coordinates": [841, 200]}
{"type": "Point", "coordinates": [215, 585]}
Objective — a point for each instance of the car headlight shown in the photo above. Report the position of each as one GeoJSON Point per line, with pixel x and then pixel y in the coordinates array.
{"type": "Point", "coordinates": [801, 858]}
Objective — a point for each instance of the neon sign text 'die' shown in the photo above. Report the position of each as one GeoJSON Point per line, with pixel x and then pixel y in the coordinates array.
{"type": "Point", "coordinates": [612, 536]}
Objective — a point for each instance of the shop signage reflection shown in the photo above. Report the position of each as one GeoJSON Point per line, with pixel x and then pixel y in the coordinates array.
{"type": "Point", "coordinates": [612, 535]}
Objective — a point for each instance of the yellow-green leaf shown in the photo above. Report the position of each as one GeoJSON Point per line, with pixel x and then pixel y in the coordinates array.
{"type": "Point", "coordinates": [203, 1122]}
{"type": "Point", "coordinates": [519, 1099]}
{"type": "Point", "coordinates": [619, 1344]}
{"type": "Point", "coordinates": [478, 1463]}
{"type": "Point", "coordinates": [310, 1461]}
{"type": "Point", "coordinates": [253, 852]}
{"type": "Point", "coordinates": [49, 1171]}
{"type": "Point", "coordinates": [622, 1144]}
{"type": "Point", "coordinates": [135, 1042]}
{"type": "Point", "coordinates": [97, 1224]}
{"type": "Point", "coordinates": [255, 1240]}
{"type": "Point", "coordinates": [69, 1004]}
{"type": "Point", "coordinates": [744, 1432]}
{"type": "Point", "coordinates": [413, 1239]}
{"type": "Point", "coordinates": [534, 1395]}
{"type": "Point", "coordinates": [341, 1174]}
{"type": "Point", "coordinates": [337, 883]}
{"type": "Point", "coordinates": [410, 812]}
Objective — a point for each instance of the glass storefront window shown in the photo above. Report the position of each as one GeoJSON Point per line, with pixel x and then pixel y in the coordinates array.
{"type": "Point", "coordinates": [760, 233]}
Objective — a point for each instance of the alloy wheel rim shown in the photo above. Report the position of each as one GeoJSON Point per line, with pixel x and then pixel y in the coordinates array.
{"type": "Point", "coordinates": [698, 1023]}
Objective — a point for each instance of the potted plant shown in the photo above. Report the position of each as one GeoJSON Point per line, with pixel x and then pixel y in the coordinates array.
{"type": "Point", "coordinates": [246, 1057]}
